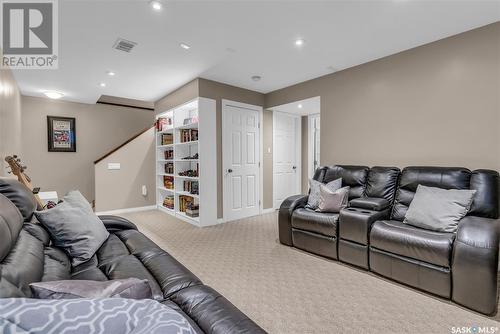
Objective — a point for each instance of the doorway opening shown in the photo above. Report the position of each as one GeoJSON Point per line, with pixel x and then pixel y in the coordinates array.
{"type": "Point", "coordinates": [296, 147]}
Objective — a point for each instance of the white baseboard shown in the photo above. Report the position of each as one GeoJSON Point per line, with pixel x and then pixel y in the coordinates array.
{"type": "Point", "coordinates": [264, 211]}
{"type": "Point", "coordinates": [128, 210]}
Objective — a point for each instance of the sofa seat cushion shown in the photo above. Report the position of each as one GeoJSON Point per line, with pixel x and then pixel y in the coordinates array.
{"type": "Point", "coordinates": [129, 253]}
{"type": "Point", "coordinates": [428, 246]}
{"type": "Point", "coordinates": [319, 222]}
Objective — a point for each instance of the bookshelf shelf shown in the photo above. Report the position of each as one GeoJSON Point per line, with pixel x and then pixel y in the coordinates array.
{"type": "Point", "coordinates": [188, 130]}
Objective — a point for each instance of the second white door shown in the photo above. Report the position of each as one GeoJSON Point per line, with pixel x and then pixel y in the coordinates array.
{"type": "Point", "coordinates": [241, 160]}
{"type": "Point", "coordinates": [286, 156]}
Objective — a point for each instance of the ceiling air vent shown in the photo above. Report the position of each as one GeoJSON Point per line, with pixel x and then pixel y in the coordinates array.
{"type": "Point", "coordinates": [124, 45]}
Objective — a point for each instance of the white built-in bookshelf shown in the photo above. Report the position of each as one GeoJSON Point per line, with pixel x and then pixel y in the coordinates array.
{"type": "Point", "coordinates": [186, 162]}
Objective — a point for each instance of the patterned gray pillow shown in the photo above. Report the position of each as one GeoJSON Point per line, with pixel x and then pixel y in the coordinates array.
{"type": "Point", "coordinates": [132, 288]}
{"type": "Point", "coordinates": [83, 316]}
{"type": "Point", "coordinates": [74, 227]}
{"type": "Point", "coordinates": [438, 209]}
{"type": "Point", "coordinates": [314, 193]}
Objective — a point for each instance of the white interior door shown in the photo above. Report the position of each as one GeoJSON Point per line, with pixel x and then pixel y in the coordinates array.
{"type": "Point", "coordinates": [241, 161]}
{"type": "Point", "coordinates": [286, 156]}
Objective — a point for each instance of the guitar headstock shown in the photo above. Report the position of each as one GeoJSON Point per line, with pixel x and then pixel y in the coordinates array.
{"type": "Point", "coordinates": [16, 167]}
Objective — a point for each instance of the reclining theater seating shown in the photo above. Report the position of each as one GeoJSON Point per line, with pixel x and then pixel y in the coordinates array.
{"type": "Point", "coordinates": [27, 255]}
{"type": "Point", "coordinates": [370, 233]}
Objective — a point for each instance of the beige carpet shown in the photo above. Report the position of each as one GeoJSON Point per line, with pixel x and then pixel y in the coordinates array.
{"type": "Point", "coordinates": [289, 291]}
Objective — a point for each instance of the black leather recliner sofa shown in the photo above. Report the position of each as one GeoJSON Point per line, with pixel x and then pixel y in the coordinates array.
{"type": "Point", "coordinates": [28, 255]}
{"type": "Point", "coordinates": [370, 233]}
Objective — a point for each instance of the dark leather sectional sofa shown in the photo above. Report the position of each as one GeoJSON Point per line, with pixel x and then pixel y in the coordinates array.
{"type": "Point", "coordinates": [27, 255]}
{"type": "Point", "coordinates": [370, 233]}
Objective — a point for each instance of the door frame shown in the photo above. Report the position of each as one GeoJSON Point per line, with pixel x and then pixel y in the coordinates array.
{"type": "Point", "coordinates": [225, 103]}
{"type": "Point", "coordinates": [298, 152]}
{"type": "Point", "coordinates": [310, 144]}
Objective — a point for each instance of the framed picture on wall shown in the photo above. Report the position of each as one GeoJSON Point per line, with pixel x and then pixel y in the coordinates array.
{"type": "Point", "coordinates": [61, 134]}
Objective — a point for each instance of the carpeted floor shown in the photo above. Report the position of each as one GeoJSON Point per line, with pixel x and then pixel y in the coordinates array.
{"type": "Point", "coordinates": [289, 291]}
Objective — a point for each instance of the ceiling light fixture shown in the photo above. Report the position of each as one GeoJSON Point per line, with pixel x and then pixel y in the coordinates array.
{"type": "Point", "coordinates": [102, 84]}
{"type": "Point", "coordinates": [184, 46]}
{"type": "Point", "coordinates": [299, 106]}
{"type": "Point", "coordinates": [53, 94]}
{"type": "Point", "coordinates": [111, 73]}
{"type": "Point", "coordinates": [256, 78]}
{"type": "Point", "coordinates": [156, 5]}
{"type": "Point", "coordinates": [299, 42]}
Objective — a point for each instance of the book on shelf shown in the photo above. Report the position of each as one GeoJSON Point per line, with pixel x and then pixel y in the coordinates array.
{"type": "Point", "coordinates": [184, 202]}
{"type": "Point", "coordinates": [168, 202]}
{"type": "Point", "coordinates": [191, 187]}
{"type": "Point", "coordinates": [169, 154]}
{"type": "Point", "coordinates": [168, 182]}
{"type": "Point", "coordinates": [167, 138]}
{"type": "Point", "coordinates": [163, 123]}
{"type": "Point", "coordinates": [188, 135]}
{"type": "Point", "coordinates": [169, 168]}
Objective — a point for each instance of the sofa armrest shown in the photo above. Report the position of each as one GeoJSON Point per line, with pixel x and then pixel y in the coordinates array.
{"type": "Point", "coordinates": [115, 223]}
{"type": "Point", "coordinates": [475, 264]}
{"type": "Point", "coordinates": [285, 217]}
{"type": "Point", "coordinates": [370, 203]}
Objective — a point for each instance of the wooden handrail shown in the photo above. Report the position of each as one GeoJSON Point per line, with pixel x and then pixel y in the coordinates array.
{"type": "Point", "coordinates": [123, 144]}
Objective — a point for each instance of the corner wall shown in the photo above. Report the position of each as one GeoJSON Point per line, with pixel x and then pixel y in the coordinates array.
{"type": "Point", "coordinates": [10, 118]}
{"type": "Point", "coordinates": [437, 104]}
{"type": "Point", "coordinates": [122, 189]}
{"type": "Point", "coordinates": [99, 129]}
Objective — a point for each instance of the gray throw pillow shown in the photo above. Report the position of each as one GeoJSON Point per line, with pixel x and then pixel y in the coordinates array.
{"type": "Point", "coordinates": [314, 193]}
{"type": "Point", "coordinates": [332, 201]}
{"type": "Point", "coordinates": [74, 227]}
{"type": "Point", "coordinates": [132, 288]}
{"type": "Point", "coordinates": [438, 209]}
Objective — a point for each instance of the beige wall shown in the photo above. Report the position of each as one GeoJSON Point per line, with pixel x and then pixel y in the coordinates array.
{"type": "Point", "coordinates": [120, 189]}
{"type": "Point", "coordinates": [437, 104]}
{"type": "Point", "coordinates": [99, 129]}
{"type": "Point", "coordinates": [10, 118]}
{"type": "Point", "coordinates": [181, 95]}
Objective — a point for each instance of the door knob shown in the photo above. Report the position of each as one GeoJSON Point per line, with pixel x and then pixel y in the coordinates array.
{"type": "Point", "coordinates": [294, 167]}
{"type": "Point", "coordinates": [229, 170]}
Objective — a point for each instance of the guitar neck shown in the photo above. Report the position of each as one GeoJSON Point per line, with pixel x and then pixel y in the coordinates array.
{"type": "Point", "coordinates": [22, 178]}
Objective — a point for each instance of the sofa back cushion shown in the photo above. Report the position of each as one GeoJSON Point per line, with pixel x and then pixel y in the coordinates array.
{"type": "Point", "coordinates": [18, 194]}
{"type": "Point", "coordinates": [382, 182]}
{"type": "Point", "coordinates": [352, 176]}
{"type": "Point", "coordinates": [487, 198]}
{"type": "Point", "coordinates": [440, 177]}
{"type": "Point", "coordinates": [11, 222]}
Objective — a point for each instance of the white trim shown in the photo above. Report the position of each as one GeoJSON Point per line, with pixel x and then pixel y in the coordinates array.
{"type": "Point", "coordinates": [127, 210]}
{"type": "Point", "coordinates": [310, 144]}
{"type": "Point", "coordinates": [298, 152]}
{"type": "Point", "coordinates": [225, 103]}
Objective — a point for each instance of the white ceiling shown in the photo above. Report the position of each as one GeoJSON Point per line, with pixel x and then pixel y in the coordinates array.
{"type": "Point", "coordinates": [234, 40]}
{"type": "Point", "coordinates": [305, 107]}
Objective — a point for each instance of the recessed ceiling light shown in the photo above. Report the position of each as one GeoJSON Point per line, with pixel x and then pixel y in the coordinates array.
{"type": "Point", "coordinates": [299, 106]}
{"type": "Point", "coordinates": [299, 42]}
{"type": "Point", "coordinates": [256, 78]}
{"type": "Point", "coordinates": [185, 46]}
{"type": "Point", "coordinates": [156, 5]}
{"type": "Point", "coordinates": [111, 73]}
{"type": "Point", "coordinates": [53, 94]}
{"type": "Point", "coordinates": [102, 84]}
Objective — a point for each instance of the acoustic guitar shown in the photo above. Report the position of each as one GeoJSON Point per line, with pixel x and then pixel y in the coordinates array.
{"type": "Point", "coordinates": [18, 169]}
